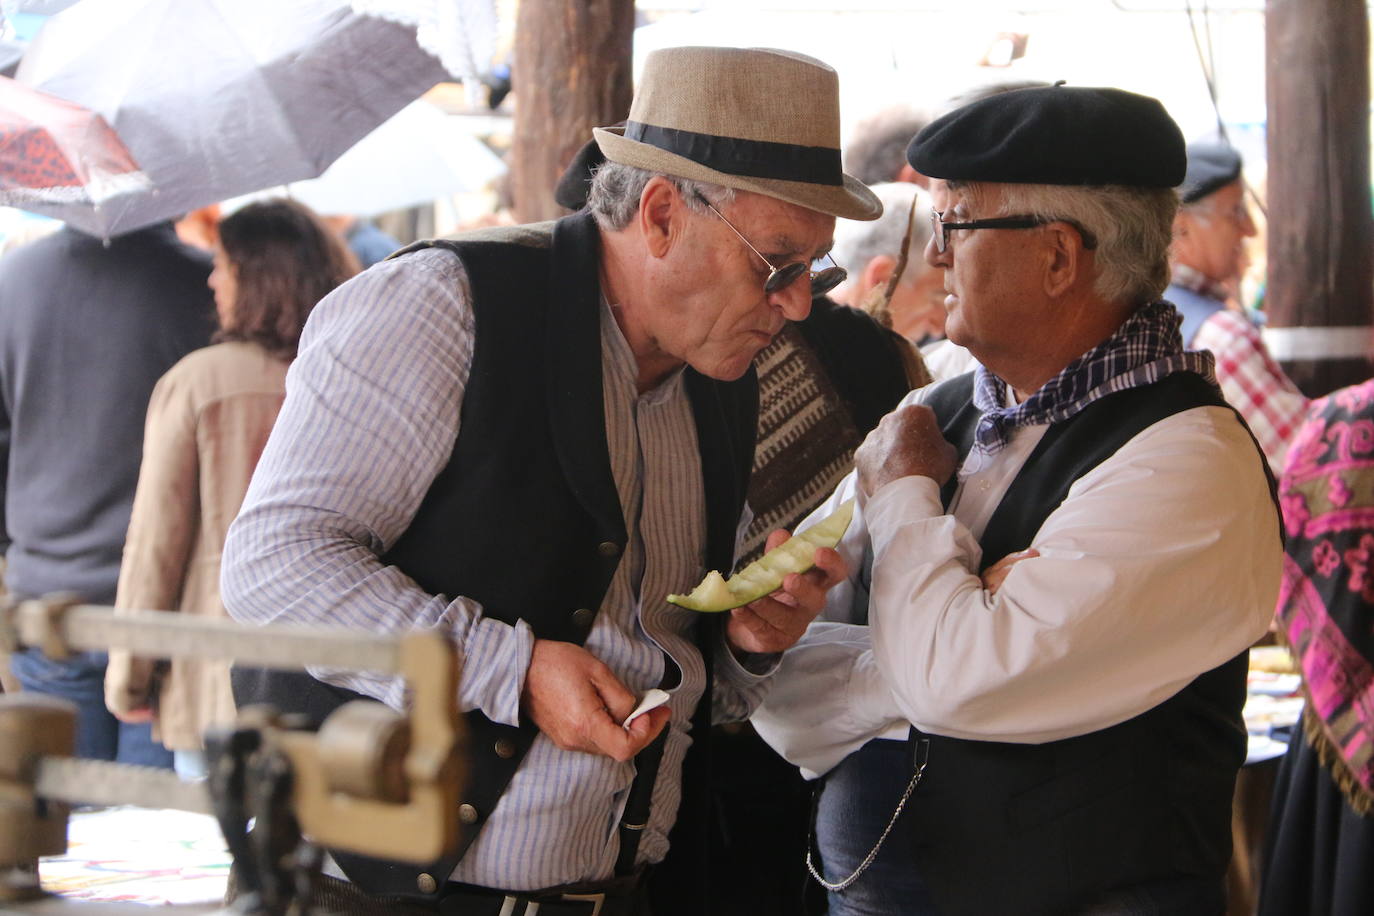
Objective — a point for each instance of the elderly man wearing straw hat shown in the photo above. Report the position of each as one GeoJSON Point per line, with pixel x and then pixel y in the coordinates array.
{"type": "Point", "coordinates": [526, 439]}
{"type": "Point", "coordinates": [1062, 557]}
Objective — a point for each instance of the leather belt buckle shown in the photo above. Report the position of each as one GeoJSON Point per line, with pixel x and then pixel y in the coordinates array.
{"type": "Point", "coordinates": [596, 900]}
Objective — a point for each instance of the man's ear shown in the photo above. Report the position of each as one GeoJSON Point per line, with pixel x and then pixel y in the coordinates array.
{"type": "Point", "coordinates": [910, 175]}
{"type": "Point", "coordinates": [875, 273]}
{"type": "Point", "coordinates": [1183, 249]}
{"type": "Point", "coordinates": [662, 215]}
{"type": "Point", "coordinates": [1065, 258]}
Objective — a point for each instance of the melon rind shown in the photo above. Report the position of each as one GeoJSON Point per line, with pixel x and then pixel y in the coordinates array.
{"type": "Point", "coordinates": [764, 576]}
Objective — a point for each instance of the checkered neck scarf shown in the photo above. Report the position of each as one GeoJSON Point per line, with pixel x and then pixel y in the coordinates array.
{"type": "Point", "coordinates": [1145, 349]}
{"type": "Point", "coordinates": [1184, 276]}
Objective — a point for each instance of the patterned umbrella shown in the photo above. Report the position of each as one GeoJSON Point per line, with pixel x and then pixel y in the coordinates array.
{"type": "Point", "coordinates": [218, 98]}
{"type": "Point", "coordinates": [54, 151]}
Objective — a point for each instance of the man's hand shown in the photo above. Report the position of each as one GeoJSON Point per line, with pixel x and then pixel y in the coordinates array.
{"type": "Point", "coordinates": [775, 623]}
{"type": "Point", "coordinates": [579, 703]}
{"type": "Point", "coordinates": [995, 574]}
{"type": "Point", "coordinates": [907, 443]}
{"type": "Point", "coordinates": [140, 715]}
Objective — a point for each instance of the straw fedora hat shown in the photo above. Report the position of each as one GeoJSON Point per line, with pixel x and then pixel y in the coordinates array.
{"type": "Point", "coordinates": [755, 119]}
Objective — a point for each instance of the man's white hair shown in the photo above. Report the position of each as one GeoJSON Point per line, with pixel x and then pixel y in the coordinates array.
{"type": "Point", "coordinates": [616, 189]}
{"type": "Point", "coordinates": [859, 241]}
{"type": "Point", "coordinates": [1133, 228]}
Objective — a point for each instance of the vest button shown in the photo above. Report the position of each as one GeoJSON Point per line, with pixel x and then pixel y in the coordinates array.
{"type": "Point", "coordinates": [583, 617]}
{"type": "Point", "coordinates": [426, 883]}
{"type": "Point", "coordinates": [505, 749]}
{"type": "Point", "coordinates": [608, 549]}
{"type": "Point", "coordinates": [467, 814]}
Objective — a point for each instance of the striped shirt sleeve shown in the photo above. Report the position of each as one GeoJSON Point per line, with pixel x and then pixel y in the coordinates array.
{"type": "Point", "coordinates": [370, 419]}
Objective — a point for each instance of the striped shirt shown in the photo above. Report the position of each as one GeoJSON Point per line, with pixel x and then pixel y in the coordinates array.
{"type": "Point", "coordinates": [370, 418]}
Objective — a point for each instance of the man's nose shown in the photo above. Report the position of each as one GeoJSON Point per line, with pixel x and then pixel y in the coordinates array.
{"type": "Point", "coordinates": [794, 299]}
{"type": "Point", "coordinates": [1247, 222]}
{"type": "Point", "coordinates": [934, 256]}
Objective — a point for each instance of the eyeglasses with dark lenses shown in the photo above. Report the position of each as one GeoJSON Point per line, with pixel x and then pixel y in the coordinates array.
{"type": "Point", "coordinates": [822, 281]}
{"type": "Point", "coordinates": [940, 229]}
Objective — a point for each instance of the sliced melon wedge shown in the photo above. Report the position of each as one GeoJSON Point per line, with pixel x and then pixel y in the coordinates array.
{"type": "Point", "coordinates": [764, 576]}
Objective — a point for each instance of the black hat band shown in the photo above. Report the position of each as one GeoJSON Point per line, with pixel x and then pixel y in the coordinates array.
{"type": "Point", "coordinates": [750, 158]}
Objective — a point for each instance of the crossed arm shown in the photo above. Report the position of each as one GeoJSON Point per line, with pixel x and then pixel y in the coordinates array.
{"type": "Point", "coordinates": [1160, 565]}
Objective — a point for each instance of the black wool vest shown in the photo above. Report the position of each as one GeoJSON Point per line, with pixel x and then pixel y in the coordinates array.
{"type": "Point", "coordinates": [1046, 828]}
{"type": "Point", "coordinates": [525, 517]}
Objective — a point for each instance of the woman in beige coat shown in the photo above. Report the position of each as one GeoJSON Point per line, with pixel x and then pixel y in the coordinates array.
{"type": "Point", "coordinates": [208, 420]}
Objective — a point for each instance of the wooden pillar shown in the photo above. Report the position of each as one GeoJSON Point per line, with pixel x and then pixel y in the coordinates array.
{"type": "Point", "coordinates": [1320, 295]}
{"type": "Point", "coordinates": [573, 72]}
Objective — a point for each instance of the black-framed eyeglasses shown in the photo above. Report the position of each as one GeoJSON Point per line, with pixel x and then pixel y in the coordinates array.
{"type": "Point", "coordinates": [940, 229]}
{"type": "Point", "coordinates": [822, 281]}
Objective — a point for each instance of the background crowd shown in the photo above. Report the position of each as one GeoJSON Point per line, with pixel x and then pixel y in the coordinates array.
{"type": "Point", "coordinates": [141, 378]}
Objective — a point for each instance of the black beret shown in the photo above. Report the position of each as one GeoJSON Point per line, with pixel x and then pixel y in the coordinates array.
{"type": "Point", "coordinates": [1068, 135]}
{"type": "Point", "coordinates": [1211, 166]}
{"type": "Point", "coordinates": [575, 182]}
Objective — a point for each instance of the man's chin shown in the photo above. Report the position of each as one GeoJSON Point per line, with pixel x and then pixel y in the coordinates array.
{"type": "Point", "coordinates": [726, 373]}
{"type": "Point", "coordinates": [726, 370]}
{"type": "Point", "coordinates": [954, 332]}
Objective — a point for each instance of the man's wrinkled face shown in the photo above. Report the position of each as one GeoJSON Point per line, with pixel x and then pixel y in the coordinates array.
{"type": "Point", "coordinates": [992, 278]}
{"type": "Point", "coordinates": [1209, 236]}
{"type": "Point", "coordinates": [725, 316]}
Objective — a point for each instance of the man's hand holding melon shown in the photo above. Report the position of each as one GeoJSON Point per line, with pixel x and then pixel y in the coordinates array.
{"type": "Point", "coordinates": [775, 622]}
{"type": "Point", "coordinates": [578, 702]}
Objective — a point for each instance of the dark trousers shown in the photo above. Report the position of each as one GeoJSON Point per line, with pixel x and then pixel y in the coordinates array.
{"type": "Point", "coordinates": [99, 735]}
{"type": "Point", "coordinates": [760, 810]}
{"type": "Point", "coordinates": [1176, 897]}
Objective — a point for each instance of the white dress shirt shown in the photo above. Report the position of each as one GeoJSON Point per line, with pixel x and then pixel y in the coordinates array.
{"type": "Point", "coordinates": [1162, 563]}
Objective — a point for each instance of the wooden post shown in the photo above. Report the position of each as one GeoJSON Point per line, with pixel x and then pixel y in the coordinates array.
{"type": "Point", "coordinates": [1320, 296]}
{"type": "Point", "coordinates": [573, 72]}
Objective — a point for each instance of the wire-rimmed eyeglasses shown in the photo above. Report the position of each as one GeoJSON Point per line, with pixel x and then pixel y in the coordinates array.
{"type": "Point", "coordinates": [822, 281]}
{"type": "Point", "coordinates": [940, 229]}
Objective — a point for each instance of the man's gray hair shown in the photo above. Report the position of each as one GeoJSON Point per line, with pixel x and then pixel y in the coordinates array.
{"type": "Point", "coordinates": [1133, 228]}
{"type": "Point", "coordinates": [1204, 207]}
{"type": "Point", "coordinates": [876, 150]}
{"type": "Point", "coordinates": [859, 241]}
{"type": "Point", "coordinates": [986, 91]}
{"type": "Point", "coordinates": [616, 189]}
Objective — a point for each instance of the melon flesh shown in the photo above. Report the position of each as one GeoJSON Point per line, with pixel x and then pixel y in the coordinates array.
{"type": "Point", "coordinates": [764, 576]}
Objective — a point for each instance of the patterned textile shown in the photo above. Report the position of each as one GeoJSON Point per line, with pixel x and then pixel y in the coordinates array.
{"type": "Point", "coordinates": [806, 440]}
{"type": "Point", "coordinates": [1145, 349]}
{"type": "Point", "coordinates": [1186, 277]}
{"type": "Point", "coordinates": [1252, 382]}
{"type": "Point", "coordinates": [1326, 601]}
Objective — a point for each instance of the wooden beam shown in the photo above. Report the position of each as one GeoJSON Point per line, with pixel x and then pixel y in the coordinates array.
{"type": "Point", "coordinates": [573, 71]}
{"type": "Point", "coordinates": [1321, 235]}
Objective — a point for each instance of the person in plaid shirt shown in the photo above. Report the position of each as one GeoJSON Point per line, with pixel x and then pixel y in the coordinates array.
{"type": "Point", "coordinates": [1209, 234]}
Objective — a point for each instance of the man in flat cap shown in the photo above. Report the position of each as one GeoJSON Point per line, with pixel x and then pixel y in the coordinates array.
{"type": "Point", "coordinates": [1210, 230]}
{"type": "Point", "coordinates": [525, 439]}
{"type": "Point", "coordinates": [1062, 556]}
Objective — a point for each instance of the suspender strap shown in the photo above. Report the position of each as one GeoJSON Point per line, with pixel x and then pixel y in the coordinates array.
{"type": "Point", "coordinates": [636, 815]}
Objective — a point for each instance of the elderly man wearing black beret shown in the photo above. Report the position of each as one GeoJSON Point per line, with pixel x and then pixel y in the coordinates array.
{"type": "Point", "coordinates": [1209, 233]}
{"type": "Point", "coordinates": [1061, 557]}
